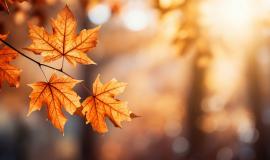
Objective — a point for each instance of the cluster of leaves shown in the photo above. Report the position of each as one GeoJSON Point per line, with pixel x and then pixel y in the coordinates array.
{"type": "Point", "coordinates": [57, 92]}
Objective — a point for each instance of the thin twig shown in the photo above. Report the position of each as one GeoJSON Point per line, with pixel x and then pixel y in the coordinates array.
{"type": "Point", "coordinates": [62, 66]}
{"type": "Point", "coordinates": [82, 84]}
{"type": "Point", "coordinates": [31, 59]}
{"type": "Point", "coordinates": [86, 88]}
{"type": "Point", "coordinates": [43, 73]}
{"type": "Point", "coordinates": [41, 64]}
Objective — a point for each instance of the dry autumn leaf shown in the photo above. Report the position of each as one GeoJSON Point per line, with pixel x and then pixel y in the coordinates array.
{"type": "Point", "coordinates": [103, 103]}
{"type": "Point", "coordinates": [64, 42]}
{"type": "Point", "coordinates": [8, 72]}
{"type": "Point", "coordinates": [56, 93]}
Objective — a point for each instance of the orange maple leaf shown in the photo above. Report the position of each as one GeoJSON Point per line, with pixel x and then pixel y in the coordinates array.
{"type": "Point", "coordinates": [103, 103]}
{"type": "Point", "coordinates": [64, 42]}
{"type": "Point", "coordinates": [55, 94]}
{"type": "Point", "coordinates": [8, 72]}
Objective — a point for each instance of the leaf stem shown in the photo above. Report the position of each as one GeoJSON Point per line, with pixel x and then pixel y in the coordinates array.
{"type": "Point", "coordinates": [41, 64]}
{"type": "Point", "coordinates": [43, 73]}
{"type": "Point", "coordinates": [33, 60]}
{"type": "Point", "coordinates": [62, 66]}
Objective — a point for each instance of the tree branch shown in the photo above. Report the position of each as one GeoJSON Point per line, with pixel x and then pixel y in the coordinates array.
{"type": "Point", "coordinates": [41, 64]}
{"type": "Point", "coordinates": [33, 60]}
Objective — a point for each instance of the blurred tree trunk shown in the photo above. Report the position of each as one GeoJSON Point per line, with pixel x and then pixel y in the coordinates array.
{"type": "Point", "coordinates": [88, 144]}
{"type": "Point", "coordinates": [195, 98]}
{"type": "Point", "coordinates": [88, 138]}
{"type": "Point", "coordinates": [194, 111]}
{"type": "Point", "coordinates": [261, 146]}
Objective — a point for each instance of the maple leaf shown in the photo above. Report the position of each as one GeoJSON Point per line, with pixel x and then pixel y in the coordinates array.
{"type": "Point", "coordinates": [103, 103]}
{"type": "Point", "coordinates": [8, 72]}
{"type": "Point", "coordinates": [56, 93]}
{"type": "Point", "coordinates": [63, 42]}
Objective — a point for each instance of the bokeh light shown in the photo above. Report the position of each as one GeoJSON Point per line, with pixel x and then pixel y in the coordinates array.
{"type": "Point", "coordinates": [99, 14]}
{"type": "Point", "coordinates": [197, 72]}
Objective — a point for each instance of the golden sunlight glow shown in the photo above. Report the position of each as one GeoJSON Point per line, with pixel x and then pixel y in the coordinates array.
{"type": "Point", "coordinates": [197, 75]}
{"type": "Point", "coordinates": [229, 26]}
{"type": "Point", "coordinates": [170, 24]}
{"type": "Point", "coordinates": [170, 3]}
{"type": "Point", "coordinates": [222, 73]}
{"type": "Point", "coordinates": [229, 13]}
{"type": "Point", "coordinates": [230, 19]}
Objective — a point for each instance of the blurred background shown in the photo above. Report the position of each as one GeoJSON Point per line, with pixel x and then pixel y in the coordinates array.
{"type": "Point", "coordinates": [198, 74]}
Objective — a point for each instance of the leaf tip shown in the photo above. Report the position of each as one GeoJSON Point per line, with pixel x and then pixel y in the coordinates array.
{"type": "Point", "coordinates": [17, 85]}
{"type": "Point", "coordinates": [29, 113]}
{"type": "Point", "coordinates": [98, 77]}
{"type": "Point", "coordinates": [30, 85]}
{"type": "Point", "coordinates": [94, 63]}
{"type": "Point", "coordinates": [66, 6]}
